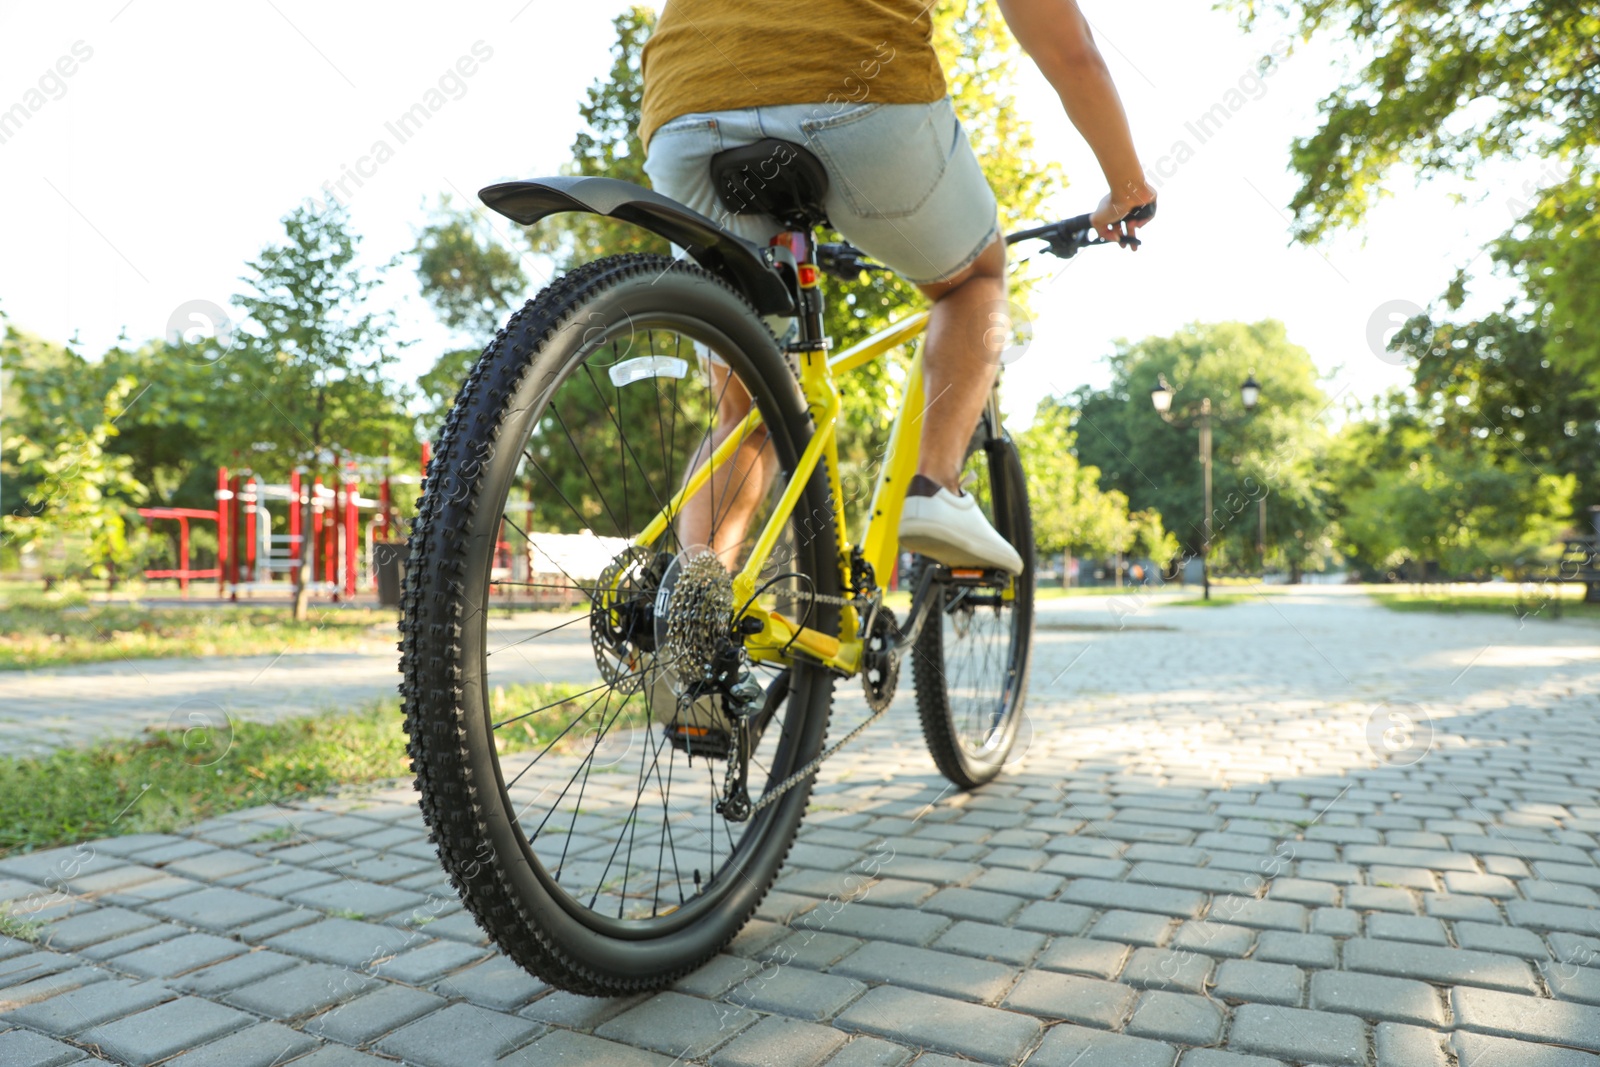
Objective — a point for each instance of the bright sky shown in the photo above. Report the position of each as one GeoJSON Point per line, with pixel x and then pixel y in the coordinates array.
{"type": "Point", "coordinates": [144, 178]}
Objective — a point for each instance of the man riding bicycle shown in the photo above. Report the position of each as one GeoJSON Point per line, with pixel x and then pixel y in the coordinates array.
{"type": "Point", "coordinates": [904, 186]}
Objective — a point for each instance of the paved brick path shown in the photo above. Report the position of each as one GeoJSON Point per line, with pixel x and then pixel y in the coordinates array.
{"type": "Point", "coordinates": [1301, 831]}
{"type": "Point", "coordinates": [45, 709]}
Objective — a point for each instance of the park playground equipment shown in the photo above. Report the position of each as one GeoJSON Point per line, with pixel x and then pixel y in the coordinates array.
{"type": "Point", "coordinates": [335, 526]}
{"type": "Point", "coordinates": [258, 551]}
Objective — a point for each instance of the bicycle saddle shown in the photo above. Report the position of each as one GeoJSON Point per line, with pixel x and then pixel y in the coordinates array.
{"type": "Point", "coordinates": [772, 177]}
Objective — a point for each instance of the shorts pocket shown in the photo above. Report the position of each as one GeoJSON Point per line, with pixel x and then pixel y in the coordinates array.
{"type": "Point", "coordinates": [885, 160]}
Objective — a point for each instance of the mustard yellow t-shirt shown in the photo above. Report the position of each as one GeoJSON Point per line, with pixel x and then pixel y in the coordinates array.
{"type": "Point", "coordinates": [722, 55]}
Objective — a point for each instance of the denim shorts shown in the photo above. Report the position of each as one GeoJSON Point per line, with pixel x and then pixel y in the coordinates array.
{"type": "Point", "coordinates": [903, 183]}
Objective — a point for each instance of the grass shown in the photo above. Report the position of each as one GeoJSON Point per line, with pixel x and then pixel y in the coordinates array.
{"type": "Point", "coordinates": [1541, 602]}
{"type": "Point", "coordinates": [1218, 600]}
{"type": "Point", "coordinates": [21, 929]}
{"type": "Point", "coordinates": [58, 629]}
{"type": "Point", "coordinates": [164, 781]}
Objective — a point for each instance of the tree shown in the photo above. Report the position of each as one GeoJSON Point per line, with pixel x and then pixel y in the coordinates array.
{"type": "Point", "coordinates": [76, 511]}
{"type": "Point", "coordinates": [1442, 85]}
{"type": "Point", "coordinates": [1406, 498]}
{"type": "Point", "coordinates": [1071, 513]}
{"type": "Point", "coordinates": [306, 379]}
{"type": "Point", "coordinates": [1271, 451]}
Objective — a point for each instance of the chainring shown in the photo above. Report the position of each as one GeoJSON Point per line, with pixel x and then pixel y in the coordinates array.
{"type": "Point", "coordinates": [880, 661]}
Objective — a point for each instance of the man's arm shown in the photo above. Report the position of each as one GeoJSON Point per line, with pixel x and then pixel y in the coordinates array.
{"type": "Point", "coordinates": [1057, 37]}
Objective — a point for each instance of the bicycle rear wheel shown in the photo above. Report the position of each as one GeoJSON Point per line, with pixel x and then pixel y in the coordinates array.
{"type": "Point", "coordinates": [970, 662]}
{"type": "Point", "coordinates": [570, 781]}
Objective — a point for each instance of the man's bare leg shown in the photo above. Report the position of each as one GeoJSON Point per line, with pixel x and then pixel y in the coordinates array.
{"type": "Point", "coordinates": [738, 486]}
{"type": "Point", "coordinates": [961, 354]}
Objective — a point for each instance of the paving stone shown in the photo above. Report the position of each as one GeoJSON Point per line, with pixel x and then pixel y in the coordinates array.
{"type": "Point", "coordinates": [1335, 922]}
{"type": "Point", "coordinates": [50, 985]}
{"type": "Point", "coordinates": [233, 973]}
{"type": "Point", "coordinates": [1030, 885]}
{"type": "Point", "coordinates": [90, 1005]}
{"type": "Point", "coordinates": [1132, 928]}
{"type": "Point", "coordinates": [264, 1045]}
{"type": "Point", "coordinates": [1050, 917]}
{"type": "Point", "coordinates": [1302, 950]}
{"type": "Point", "coordinates": [347, 942]}
{"type": "Point", "coordinates": [1298, 1034]}
{"type": "Point", "coordinates": [870, 1052]}
{"type": "Point", "coordinates": [150, 935]}
{"type": "Point", "coordinates": [1481, 1050]}
{"type": "Point", "coordinates": [1159, 968]}
{"type": "Point", "coordinates": [563, 1048]}
{"type": "Point", "coordinates": [180, 955]}
{"type": "Point", "coordinates": [1076, 955]}
{"type": "Point", "coordinates": [495, 983]}
{"type": "Point", "coordinates": [363, 899]}
{"type": "Point", "coordinates": [371, 1015]}
{"type": "Point", "coordinates": [1506, 940]}
{"type": "Point", "coordinates": [1379, 898]}
{"type": "Point", "coordinates": [779, 1042]}
{"type": "Point", "coordinates": [1263, 914]}
{"type": "Point", "coordinates": [941, 1024]}
{"type": "Point", "coordinates": [716, 977]}
{"type": "Point", "coordinates": [974, 904]}
{"type": "Point", "coordinates": [1214, 939]}
{"type": "Point", "coordinates": [1212, 1057]}
{"type": "Point", "coordinates": [104, 924]}
{"type": "Point", "coordinates": [301, 990]}
{"type": "Point", "coordinates": [1133, 896]}
{"type": "Point", "coordinates": [799, 993]}
{"type": "Point", "coordinates": [1265, 983]}
{"type": "Point", "coordinates": [815, 949]}
{"type": "Point", "coordinates": [1437, 964]}
{"type": "Point", "coordinates": [217, 909]}
{"type": "Point", "coordinates": [1064, 996]}
{"type": "Point", "coordinates": [678, 1025]}
{"type": "Point", "coordinates": [1398, 1045]}
{"type": "Point", "coordinates": [209, 864]}
{"type": "Point", "coordinates": [986, 941]}
{"type": "Point", "coordinates": [421, 965]}
{"type": "Point", "coordinates": [1074, 1046]}
{"type": "Point", "coordinates": [577, 1012]}
{"type": "Point", "coordinates": [23, 1048]}
{"type": "Point", "coordinates": [1471, 909]}
{"type": "Point", "coordinates": [1176, 1017]}
{"type": "Point", "coordinates": [1484, 885]}
{"type": "Point", "coordinates": [1407, 928]}
{"type": "Point", "coordinates": [1526, 1018]}
{"type": "Point", "coordinates": [888, 924]}
{"type": "Point", "coordinates": [165, 1030]}
{"type": "Point", "coordinates": [34, 965]}
{"type": "Point", "coordinates": [1376, 997]}
{"type": "Point", "coordinates": [459, 1035]}
{"type": "Point", "coordinates": [927, 970]}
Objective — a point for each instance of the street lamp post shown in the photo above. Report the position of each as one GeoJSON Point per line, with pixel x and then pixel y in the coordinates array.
{"type": "Point", "coordinates": [1161, 399]}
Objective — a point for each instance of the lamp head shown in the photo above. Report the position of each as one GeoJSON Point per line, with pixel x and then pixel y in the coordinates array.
{"type": "Point", "coordinates": [1161, 395]}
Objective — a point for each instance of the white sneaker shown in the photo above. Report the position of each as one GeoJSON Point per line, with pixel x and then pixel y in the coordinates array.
{"type": "Point", "coordinates": [950, 529]}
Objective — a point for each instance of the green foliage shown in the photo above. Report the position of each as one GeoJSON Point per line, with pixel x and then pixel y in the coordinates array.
{"type": "Point", "coordinates": [1555, 252]}
{"type": "Point", "coordinates": [1405, 496]}
{"type": "Point", "coordinates": [1070, 510]}
{"type": "Point", "coordinates": [1271, 452]}
{"type": "Point", "coordinates": [1491, 386]}
{"type": "Point", "coordinates": [468, 276]}
{"type": "Point", "coordinates": [1439, 86]}
{"type": "Point", "coordinates": [76, 517]}
{"type": "Point", "coordinates": [307, 376]}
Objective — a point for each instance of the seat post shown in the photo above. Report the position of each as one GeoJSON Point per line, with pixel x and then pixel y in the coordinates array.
{"type": "Point", "coordinates": [813, 334]}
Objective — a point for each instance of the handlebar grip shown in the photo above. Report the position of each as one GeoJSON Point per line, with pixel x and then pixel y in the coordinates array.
{"type": "Point", "coordinates": [1142, 213]}
{"type": "Point", "coordinates": [1077, 222]}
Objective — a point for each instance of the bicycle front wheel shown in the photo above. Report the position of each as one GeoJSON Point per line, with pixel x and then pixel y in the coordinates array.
{"type": "Point", "coordinates": [570, 774]}
{"type": "Point", "coordinates": [970, 662]}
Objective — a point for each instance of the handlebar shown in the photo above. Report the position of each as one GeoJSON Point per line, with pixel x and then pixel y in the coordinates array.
{"type": "Point", "coordinates": [1064, 238]}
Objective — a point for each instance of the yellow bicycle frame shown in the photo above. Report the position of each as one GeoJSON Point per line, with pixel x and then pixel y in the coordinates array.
{"type": "Point", "coordinates": [880, 546]}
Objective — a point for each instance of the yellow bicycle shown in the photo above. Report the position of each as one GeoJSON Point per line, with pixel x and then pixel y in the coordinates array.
{"type": "Point", "coordinates": [615, 768]}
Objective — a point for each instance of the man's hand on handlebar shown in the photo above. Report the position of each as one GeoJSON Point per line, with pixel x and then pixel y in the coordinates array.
{"type": "Point", "coordinates": [1118, 218]}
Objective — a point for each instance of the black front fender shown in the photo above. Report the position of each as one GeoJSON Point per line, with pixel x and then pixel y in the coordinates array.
{"type": "Point", "coordinates": [725, 254]}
